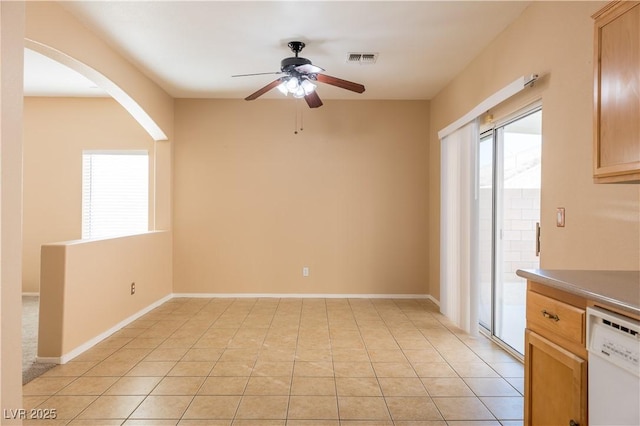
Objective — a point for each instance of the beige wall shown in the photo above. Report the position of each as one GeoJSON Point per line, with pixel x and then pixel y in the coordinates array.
{"type": "Point", "coordinates": [83, 295]}
{"type": "Point", "coordinates": [11, 51]}
{"type": "Point", "coordinates": [347, 197]}
{"type": "Point", "coordinates": [56, 131]}
{"type": "Point", "coordinates": [47, 23]}
{"type": "Point", "coordinates": [554, 39]}
{"type": "Point", "coordinates": [62, 35]}
{"type": "Point", "coordinates": [53, 31]}
{"type": "Point", "coordinates": [355, 196]}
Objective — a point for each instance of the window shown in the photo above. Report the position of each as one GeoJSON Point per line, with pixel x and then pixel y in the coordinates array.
{"type": "Point", "coordinates": [115, 193]}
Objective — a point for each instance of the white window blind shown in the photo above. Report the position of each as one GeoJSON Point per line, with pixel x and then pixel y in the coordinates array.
{"type": "Point", "coordinates": [459, 228]}
{"type": "Point", "coordinates": [115, 193]}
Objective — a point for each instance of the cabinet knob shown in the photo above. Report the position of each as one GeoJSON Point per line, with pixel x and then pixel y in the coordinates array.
{"type": "Point", "coordinates": [573, 423]}
{"type": "Point", "coordinates": [551, 316]}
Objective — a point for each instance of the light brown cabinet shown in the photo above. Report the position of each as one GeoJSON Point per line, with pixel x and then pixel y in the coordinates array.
{"type": "Point", "coordinates": [557, 383]}
{"type": "Point", "coordinates": [617, 93]}
{"type": "Point", "coordinates": [555, 358]}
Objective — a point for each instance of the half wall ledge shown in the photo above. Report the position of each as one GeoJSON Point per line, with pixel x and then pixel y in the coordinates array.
{"type": "Point", "coordinates": [85, 290]}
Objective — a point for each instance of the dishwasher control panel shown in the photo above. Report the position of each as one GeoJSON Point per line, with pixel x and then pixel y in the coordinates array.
{"type": "Point", "coordinates": [613, 342]}
{"type": "Point", "coordinates": [615, 338]}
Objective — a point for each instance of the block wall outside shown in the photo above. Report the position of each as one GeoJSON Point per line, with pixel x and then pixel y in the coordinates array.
{"type": "Point", "coordinates": [521, 212]}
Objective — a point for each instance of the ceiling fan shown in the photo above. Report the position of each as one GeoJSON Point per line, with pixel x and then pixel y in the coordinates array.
{"type": "Point", "coordinates": [299, 77]}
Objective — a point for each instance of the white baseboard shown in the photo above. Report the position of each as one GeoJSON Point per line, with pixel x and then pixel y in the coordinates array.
{"type": "Point", "coordinates": [48, 360]}
{"type": "Point", "coordinates": [433, 299]}
{"type": "Point", "coordinates": [31, 294]}
{"type": "Point", "coordinates": [304, 296]}
{"type": "Point", "coordinates": [92, 342]}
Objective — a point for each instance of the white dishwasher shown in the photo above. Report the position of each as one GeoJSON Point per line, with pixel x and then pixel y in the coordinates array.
{"type": "Point", "coordinates": [613, 342]}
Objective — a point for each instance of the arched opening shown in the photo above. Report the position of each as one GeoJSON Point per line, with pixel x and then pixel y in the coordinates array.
{"type": "Point", "coordinates": [68, 108]}
{"type": "Point", "coordinates": [104, 83]}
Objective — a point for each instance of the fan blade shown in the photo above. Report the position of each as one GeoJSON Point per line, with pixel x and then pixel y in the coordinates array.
{"type": "Point", "coordinates": [308, 69]}
{"type": "Point", "coordinates": [262, 91]}
{"type": "Point", "coordinates": [338, 82]}
{"type": "Point", "coordinates": [313, 100]}
{"type": "Point", "coordinates": [257, 73]}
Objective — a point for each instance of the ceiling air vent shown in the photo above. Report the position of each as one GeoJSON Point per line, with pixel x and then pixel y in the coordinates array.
{"type": "Point", "coordinates": [362, 58]}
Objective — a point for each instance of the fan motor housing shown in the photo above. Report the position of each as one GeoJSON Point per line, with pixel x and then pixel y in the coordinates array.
{"type": "Point", "coordinates": [289, 63]}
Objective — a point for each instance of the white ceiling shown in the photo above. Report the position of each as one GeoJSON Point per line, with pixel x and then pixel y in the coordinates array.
{"type": "Point", "coordinates": [191, 49]}
{"type": "Point", "coordinates": [46, 77]}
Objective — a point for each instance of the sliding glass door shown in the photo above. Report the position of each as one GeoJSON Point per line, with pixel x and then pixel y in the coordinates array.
{"type": "Point", "coordinates": [509, 180]}
{"type": "Point", "coordinates": [485, 228]}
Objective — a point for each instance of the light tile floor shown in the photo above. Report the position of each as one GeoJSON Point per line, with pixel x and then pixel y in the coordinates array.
{"type": "Point", "coordinates": [270, 361]}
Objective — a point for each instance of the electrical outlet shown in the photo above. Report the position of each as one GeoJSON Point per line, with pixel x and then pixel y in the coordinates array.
{"type": "Point", "coordinates": [305, 271]}
{"type": "Point", "coordinates": [133, 288]}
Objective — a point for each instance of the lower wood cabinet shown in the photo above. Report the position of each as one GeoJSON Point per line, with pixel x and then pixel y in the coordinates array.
{"type": "Point", "coordinates": [555, 359]}
{"type": "Point", "coordinates": [555, 384]}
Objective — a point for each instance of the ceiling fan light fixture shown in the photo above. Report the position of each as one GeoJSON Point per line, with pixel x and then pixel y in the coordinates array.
{"type": "Point", "coordinates": [300, 76]}
{"type": "Point", "coordinates": [282, 87]}
{"type": "Point", "coordinates": [307, 86]}
{"type": "Point", "coordinates": [296, 86]}
{"type": "Point", "coordinates": [292, 84]}
{"type": "Point", "coordinates": [299, 93]}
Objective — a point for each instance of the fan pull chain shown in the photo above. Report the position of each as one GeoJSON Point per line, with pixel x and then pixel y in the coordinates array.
{"type": "Point", "coordinates": [298, 110]}
{"type": "Point", "coordinates": [301, 119]}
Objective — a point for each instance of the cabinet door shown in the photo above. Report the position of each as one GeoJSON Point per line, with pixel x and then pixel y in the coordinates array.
{"type": "Point", "coordinates": [555, 384]}
{"type": "Point", "coordinates": [617, 93]}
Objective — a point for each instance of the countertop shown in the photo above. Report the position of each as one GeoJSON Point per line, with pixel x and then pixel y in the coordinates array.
{"type": "Point", "coordinates": [618, 288]}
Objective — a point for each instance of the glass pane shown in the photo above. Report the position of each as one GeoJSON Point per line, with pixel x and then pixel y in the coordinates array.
{"type": "Point", "coordinates": [517, 212]}
{"type": "Point", "coordinates": [115, 194]}
{"type": "Point", "coordinates": [485, 221]}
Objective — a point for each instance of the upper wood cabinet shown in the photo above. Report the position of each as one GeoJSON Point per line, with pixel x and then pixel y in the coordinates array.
{"type": "Point", "coordinates": [617, 93]}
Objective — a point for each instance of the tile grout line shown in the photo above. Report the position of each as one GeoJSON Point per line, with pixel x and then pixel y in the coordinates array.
{"type": "Point", "coordinates": [383, 313]}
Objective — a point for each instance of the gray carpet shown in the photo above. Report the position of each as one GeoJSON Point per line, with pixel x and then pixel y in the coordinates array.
{"type": "Point", "coordinates": [30, 368]}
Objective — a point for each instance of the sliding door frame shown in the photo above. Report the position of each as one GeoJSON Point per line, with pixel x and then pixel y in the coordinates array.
{"type": "Point", "coordinates": [494, 131]}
